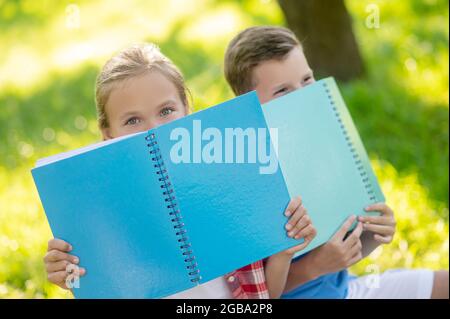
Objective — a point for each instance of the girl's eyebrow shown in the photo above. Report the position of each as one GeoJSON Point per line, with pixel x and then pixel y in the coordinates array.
{"type": "Point", "coordinates": [129, 113]}
{"type": "Point", "coordinates": [169, 101]}
{"type": "Point", "coordinates": [134, 112]}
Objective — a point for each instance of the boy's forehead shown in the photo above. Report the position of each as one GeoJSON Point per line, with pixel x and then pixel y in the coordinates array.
{"type": "Point", "coordinates": [276, 70]}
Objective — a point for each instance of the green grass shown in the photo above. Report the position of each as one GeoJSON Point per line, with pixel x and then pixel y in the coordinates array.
{"type": "Point", "coordinates": [47, 106]}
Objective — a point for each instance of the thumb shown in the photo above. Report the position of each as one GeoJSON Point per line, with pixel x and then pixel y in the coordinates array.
{"type": "Point", "coordinates": [340, 234]}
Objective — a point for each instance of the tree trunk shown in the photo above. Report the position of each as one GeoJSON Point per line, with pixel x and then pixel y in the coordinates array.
{"type": "Point", "coordinates": [325, 31]}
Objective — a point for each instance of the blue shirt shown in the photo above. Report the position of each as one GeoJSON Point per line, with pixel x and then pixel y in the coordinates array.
{"type": "Point", "coordinates": [329, 286]}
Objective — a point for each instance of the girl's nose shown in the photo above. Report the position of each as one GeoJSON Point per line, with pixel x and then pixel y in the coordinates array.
{"type": "Point", "coordinates": [150, 124]}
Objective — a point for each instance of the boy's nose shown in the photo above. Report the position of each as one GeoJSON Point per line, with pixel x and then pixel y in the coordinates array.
{"type": "Point", "coordinates": [298, 86]}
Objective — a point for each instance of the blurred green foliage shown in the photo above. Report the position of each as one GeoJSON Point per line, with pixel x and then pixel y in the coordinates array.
{"type": "Point", "coordinates": [48, 67]}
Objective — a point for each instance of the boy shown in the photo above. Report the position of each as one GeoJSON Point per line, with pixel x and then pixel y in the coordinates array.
{"type": "Point", "coordinates": [270, 60]}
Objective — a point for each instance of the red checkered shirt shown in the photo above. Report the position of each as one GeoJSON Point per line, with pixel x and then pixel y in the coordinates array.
{"type": "Point", "coordinates": [248, 282]}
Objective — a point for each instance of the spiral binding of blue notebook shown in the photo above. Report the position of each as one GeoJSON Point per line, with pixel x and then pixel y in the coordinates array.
{"type": "Point", "coordinates": [147, 226]}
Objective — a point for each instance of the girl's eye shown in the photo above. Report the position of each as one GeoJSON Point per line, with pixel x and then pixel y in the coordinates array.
{"type": "Point", "coordinates": [166, 111]}
{"type": "Point", "coordinates": [132, 121]}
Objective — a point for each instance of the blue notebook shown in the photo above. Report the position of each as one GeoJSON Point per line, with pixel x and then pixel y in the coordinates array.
{"type": "Point", "coordinates": [162, 211]}
{"type": "Point", "coordinates": [322, 156]}
{"type": "Point", "coordinates": [147, 226]}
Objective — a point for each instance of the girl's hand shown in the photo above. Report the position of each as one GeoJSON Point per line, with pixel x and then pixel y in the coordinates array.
{"type": "Point", "coordinates": [59, 264]}
{"type": "Point", "coordinates": [299, 225]}
{"type": "Point", "coordinates": [277, 266]}
{"type": "Point", "coordinates": [382, 226]}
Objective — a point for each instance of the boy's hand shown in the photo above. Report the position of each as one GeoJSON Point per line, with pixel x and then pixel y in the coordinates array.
{"type": "Point", "coordinates": [382, 226]}
{"type": "Point", "coordinates": [299, 225]}
{"type": "Point", "coordinates": [58, 262]}
{"type": "Point", "coordinates": [338, 253]}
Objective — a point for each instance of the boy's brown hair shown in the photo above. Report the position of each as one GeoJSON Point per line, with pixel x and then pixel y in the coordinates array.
{"type": "Point", "coordinates": [251, 47]}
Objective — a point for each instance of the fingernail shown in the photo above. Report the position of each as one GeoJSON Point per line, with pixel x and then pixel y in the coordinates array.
{"type": "Point", "coordinates": [290, 234]}
{"type": "Point", "coordinates": [82, 271]}
{"type": "Point", "coordinates": [288, 226]}
{"type": "Point", "coordinates": [297, 237]}
{"type": "Point", "coordinates": [70, 247]}
{"type": "Point", "coordinates": [75, 260]}
{"type": "Point", "coordinates": [288, 213]}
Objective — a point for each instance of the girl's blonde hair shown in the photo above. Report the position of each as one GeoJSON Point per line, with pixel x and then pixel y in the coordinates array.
{"type": "Point", "coordinates": [128, 63]}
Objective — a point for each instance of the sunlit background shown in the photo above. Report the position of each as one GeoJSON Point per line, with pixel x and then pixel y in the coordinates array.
{"type": "Point", "coordinates": [51, 51]}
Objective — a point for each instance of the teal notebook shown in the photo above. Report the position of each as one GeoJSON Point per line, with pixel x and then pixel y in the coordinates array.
{"type": "Point", "coordinates": [322, 157]}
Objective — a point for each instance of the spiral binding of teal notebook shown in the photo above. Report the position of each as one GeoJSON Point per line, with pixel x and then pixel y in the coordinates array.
{"type": "Point", "coordinates": [146, 227]}
{"type": "Point", "coordinates": [322, 156]}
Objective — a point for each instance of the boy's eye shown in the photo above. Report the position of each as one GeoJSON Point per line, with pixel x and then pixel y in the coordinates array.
{"type": "Point", "coordinates": [307, 80]}
{"type": "Point", "coordinates": [280, 91]}
{"type": "Point", "coordinates": [132, 121]}
{"type": "Point", "coordinates": [166, 111]}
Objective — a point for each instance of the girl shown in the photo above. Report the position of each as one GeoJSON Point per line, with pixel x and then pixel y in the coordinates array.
{"type": "Point", "coordinates": [139, 89]}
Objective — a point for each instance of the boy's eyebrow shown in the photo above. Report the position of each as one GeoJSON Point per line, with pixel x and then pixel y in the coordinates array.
{"type": "Point", "coordinates": [276, 88]}
{"type": "Point", "coordinates": [309, 73]}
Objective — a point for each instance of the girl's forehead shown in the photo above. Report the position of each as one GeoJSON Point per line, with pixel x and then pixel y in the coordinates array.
{"type": "Point", "coordinates": [151, 89]}
{"type": "Point", "coordinates": [151, 83]}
